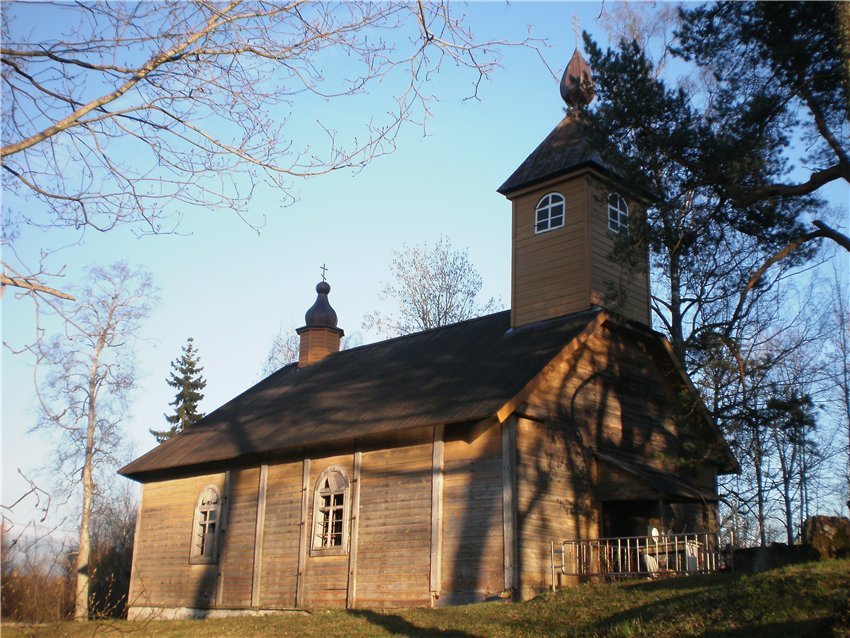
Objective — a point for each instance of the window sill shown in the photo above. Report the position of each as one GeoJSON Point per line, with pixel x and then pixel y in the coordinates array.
{"type": "Point", "coordinates": [328, 551]}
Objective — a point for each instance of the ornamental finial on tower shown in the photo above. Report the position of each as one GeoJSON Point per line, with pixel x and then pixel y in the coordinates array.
{"type": "Point", "coordinates": [577, 88]}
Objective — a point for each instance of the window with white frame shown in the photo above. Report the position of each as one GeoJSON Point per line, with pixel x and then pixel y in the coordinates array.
{"type": "Point", "coordinates": [549, 213]}
{"type": "Point", "coordinates": [618, 214]}
{"type": "Point", "coordinates": [206, 526]}
{"type": "Point", "coordinates": [330, 512]}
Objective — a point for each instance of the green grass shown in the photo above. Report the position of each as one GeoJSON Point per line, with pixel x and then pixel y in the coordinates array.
{"type": "Point", "coordinates": [799, 601]}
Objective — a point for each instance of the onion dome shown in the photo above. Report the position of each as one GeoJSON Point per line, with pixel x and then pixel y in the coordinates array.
{"type": "Point", "coordinates": [577, 88]}
{"type": "Point", "coordinates": [320, 314]}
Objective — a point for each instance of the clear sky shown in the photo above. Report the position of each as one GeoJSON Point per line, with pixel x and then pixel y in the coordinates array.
{"type": "Point", "coordinates": [231, 289]}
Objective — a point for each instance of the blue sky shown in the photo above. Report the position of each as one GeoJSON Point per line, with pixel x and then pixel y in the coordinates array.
{"type": "Point", "coordinates": [231, 289]}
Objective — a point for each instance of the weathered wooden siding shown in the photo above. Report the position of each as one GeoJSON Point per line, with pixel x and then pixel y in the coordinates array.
{"type": "Point", "coordinates": [162, 574]}
{"type": "Point", "coordinates": [568, 269]}
{"type": "Point", "coordinates": [549, 269]}
{"type": "Point", "coordinates": [281, 537]}
{"type": "Point", "coordinates": [237, 543]}
{"type": "Point", "coordinates": [555, 481]}
{"type": "Point", "coordinates": [393, 562]}
{"type": "Point", "coordinates": [618, 397]}
{"type": "Point", "coordinates": [326, 577]}
{"type": "Point", "coordinates": [472, 551]}
{"type": "Point", "coordinates": [611, 396]}
{"type": "Point", "coordinates": [614, 284]}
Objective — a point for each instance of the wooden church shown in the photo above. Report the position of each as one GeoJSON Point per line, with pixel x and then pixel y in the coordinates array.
{"type": "Point", "coordinates": [436, 468]}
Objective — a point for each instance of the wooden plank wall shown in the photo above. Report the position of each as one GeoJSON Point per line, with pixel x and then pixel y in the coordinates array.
{"type": "Point", "coordinates": [472, 547]}
{"type": "Point", "coordinates": [619, 397]}
{"type": "Point", "coordinates": [612, 396]}
{"type": "Point", "coordinates": [394, 557]}
{"type": "Point", "coordinates": [162, 574]}
{"type": "Point", "coordinates": [555, 497]}
{"type": "Point", "coordinates": [326, 577]}
{"type": "Point", "coordinates": [237, 545]}
{"type": "Point", "coordinates": [281, 536]}
{"type": "Point", "coordinates": [550, 276]}
{"type": "Point", "coordinates": [396, 546]}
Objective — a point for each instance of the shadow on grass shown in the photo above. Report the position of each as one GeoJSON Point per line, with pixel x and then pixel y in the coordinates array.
{"type": "Point", "coordinates": [680, 583]}
{"type": "Point", "coordinates": [401, 627]}
{"type": "Point", "coordinates": [705, 609]}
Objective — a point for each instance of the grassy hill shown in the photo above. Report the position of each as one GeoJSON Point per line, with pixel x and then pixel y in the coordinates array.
{"type": "Point", "coordinates": [801, 600]}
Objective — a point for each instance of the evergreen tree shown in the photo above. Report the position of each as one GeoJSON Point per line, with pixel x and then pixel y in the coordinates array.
{"type": "Point", "coordinates": [185, 377]}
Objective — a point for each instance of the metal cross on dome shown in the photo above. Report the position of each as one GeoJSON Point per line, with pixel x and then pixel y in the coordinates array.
{"type": "Point", "coordinates": [576, 27]}
{"type": "Point", "coordinates": [324, 270]}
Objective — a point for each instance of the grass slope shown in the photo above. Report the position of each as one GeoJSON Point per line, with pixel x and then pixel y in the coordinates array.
{"type": "Point", "coordinates": [799, 601]}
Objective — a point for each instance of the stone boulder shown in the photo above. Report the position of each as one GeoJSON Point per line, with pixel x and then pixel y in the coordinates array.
{"type": "Point", "coordinates": [829, 535]}
{"type": "Point", "coordinates": [759, 559]}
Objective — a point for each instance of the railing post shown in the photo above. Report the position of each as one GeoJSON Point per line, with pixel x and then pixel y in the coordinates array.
{"type": "Point", "coordinates": [552, 562]}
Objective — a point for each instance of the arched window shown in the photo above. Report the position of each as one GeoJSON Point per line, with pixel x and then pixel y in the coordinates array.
{"type": "Point", "coordinates": [330, 512]}
{"type": "Point", "coordinates": [618, 214]}
{"type": "Point", "coordinates": [549, 213]}
{"type": "Point", "coordinates": [206, 526]}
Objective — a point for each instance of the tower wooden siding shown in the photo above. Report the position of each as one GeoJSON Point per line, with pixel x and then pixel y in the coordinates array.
{"type": "Point", "coordinates": [569, 269]}
{"type": "Point", "coordinates": [606, 271]}
{"type": "Point", "coordinates": [549, 269]}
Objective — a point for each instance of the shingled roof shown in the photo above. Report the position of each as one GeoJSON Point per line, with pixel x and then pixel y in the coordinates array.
{"type": "Point", "coordinates": [564, 150]}
{"type": "Point", "coordinates": [458, 373]}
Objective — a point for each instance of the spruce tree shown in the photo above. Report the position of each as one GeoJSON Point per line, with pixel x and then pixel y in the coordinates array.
{"type": "Point", "coordinates": [185, 377]}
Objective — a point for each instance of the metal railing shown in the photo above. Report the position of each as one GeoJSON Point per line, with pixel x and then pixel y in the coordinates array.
{"type": "Point", "coordinates": [640, 556]}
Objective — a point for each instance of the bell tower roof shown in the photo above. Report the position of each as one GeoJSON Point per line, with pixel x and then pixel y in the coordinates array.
{"type": "Point", "coordinates": [564, 150]}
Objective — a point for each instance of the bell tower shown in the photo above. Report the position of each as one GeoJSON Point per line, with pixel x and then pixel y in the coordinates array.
{"type": "Point", "coordinates": [570, 212]}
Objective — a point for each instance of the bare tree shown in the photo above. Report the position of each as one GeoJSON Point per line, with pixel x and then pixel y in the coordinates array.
{"type": "Point", "coordinates": [87, 377]}
{"type": "Point", "coordinates": [432, 287]}
{"type": "Point", "coordinates": [130, 109]}
{"type": "Point", "coordinates": [839, 370]}
{"type": "Point", "coordinates": [283, 351]}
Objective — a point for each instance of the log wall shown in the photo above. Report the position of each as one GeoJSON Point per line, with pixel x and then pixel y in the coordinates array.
{"type": "Point", "coordinates": [279, 574]}
{"type": "Point", "coordinates": [162, 575]}
{"type": "Point", "coordinates": [393, 560]}
{"type": "Point", "coordinates": [611, 396]}
{"type": "Point", "coordinates": [325, 577]}
{"type": "Point", "coordinates": [472, 542]}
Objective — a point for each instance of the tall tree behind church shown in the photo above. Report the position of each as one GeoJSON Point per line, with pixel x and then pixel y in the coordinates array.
{"type": "Point", "coordinates": [185, 377]}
